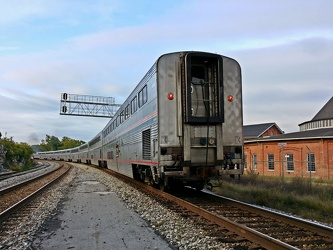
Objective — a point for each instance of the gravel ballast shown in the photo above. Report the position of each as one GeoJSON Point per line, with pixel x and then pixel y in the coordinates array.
{"type": "Point", "coordinates": [51, 220]}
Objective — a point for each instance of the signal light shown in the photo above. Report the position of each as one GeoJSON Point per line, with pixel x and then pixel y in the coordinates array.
{"type": "Point", "coordinates": [170, 96]}
{"type": "Point", "coordinates": [230, 98]}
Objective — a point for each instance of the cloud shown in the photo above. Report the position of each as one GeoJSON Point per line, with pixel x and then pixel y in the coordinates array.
{"type": "Point", "coordinates": [19, 10]}
{"type": "Point", "coordinates": [287, 84]}
{"type": "Point", "coordinates": [105, 48]}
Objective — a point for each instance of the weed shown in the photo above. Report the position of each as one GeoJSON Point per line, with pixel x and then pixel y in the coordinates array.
{"type": "Point", "coordinates": [295, 195]}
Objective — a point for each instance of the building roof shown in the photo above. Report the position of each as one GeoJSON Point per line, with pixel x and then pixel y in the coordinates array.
{"type": "Point", "coordinates": [301, 135]}
{"type": "Point", "coordinates": [326, 112]}
{"type": "Point", "coordinates": [252, 133]}
{"type": "Point", "coordinates": [256, 130]}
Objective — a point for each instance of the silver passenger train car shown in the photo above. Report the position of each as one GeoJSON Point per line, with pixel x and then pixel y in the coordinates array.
{"type": "Point", "coordinates": [181, 124]}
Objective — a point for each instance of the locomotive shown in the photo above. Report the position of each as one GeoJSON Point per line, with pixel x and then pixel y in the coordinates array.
{"type": "Point", "coordinates": [182, 124]}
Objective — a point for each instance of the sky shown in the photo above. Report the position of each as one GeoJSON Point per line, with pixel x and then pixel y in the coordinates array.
{"type": "Point", "coordinates": [105, 47]}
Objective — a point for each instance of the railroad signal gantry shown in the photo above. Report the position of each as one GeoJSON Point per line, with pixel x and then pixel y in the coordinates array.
{"type": "Point", "coordinates": [87, 105]}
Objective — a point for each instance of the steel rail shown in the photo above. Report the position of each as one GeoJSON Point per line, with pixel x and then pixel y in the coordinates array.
{"type": "Point", "coordinates": [6, 175]}
{"type": "Point", "coordinates": [23, 183]}
{"type": "Point", "coordinates": [315, 227]}
{"type": "Point", "coordinates": [248, 233]}
{"type": "Point", "coordinates": [6, 213]}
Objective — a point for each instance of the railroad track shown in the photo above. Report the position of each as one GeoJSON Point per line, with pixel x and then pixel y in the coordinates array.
{"type": "Point", "coordinates": [287, 231]}
{"type": "Point", "coordinates": [13, 178]}
{"type": "Point", "coordinates": [243, 225]}
{"type": "Point", "coordinates": [14, 197]}
{"type": "Point", "coordinates": [7, 175]}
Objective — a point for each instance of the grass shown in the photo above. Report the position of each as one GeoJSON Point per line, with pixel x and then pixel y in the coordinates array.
{"type": "Point", "coordinates": [294, 195]}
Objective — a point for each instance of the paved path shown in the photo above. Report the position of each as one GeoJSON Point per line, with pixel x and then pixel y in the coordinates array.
{"type": "Point", "coordinates": [93, 217]}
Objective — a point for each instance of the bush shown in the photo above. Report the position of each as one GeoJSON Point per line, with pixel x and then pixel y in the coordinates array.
{"type": "Point", "coordinates": [18, 155]}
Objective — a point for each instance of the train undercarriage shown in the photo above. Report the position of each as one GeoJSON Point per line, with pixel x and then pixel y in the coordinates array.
{"type": "Point", "coordinates": [195, 177]}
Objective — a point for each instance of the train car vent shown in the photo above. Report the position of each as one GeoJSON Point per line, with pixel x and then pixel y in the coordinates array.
{"type": "Point", "coordinates": [146, 146]}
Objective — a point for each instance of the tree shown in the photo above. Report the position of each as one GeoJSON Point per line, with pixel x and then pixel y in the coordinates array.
{"type": "Point", "coordinates": [67, 142]}
{"type": "Point", "coordinates": [50, 143]}
{"type": "Point", "coordinates": [17, 153]}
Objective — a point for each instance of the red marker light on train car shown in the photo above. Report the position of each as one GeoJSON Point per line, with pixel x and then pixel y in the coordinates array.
{"type": "Point", "coordinates": [170, 96]}
{"type": "Point", "coordinates": [230, 98]}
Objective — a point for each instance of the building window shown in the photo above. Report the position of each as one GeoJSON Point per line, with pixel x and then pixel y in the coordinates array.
{"type": "Point", "coordinates": [254, 162]}
{"type": "Point", "coordinates": [290, 162]}
{"type": "Point", "coordinates": [311, 166]}
{"type": "Point", "coordinates": [270, 161]}
{"type": "Point", "coordinates": [245, 161]}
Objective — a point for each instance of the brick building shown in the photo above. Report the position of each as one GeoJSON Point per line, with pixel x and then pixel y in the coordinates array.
{"type": "Point", "coordinates": [307, 153]}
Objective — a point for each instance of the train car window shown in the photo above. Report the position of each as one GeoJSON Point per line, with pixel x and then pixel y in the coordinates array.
{"type": "Point", "coordinates": [94, 141]}
{"type": "Point", "coordinates": [143, 96]}
{"type": "Point", "coordinates": [140, 99]}
{"type": "Point", "coordinates": [204, 89]}
{"type": "Point", "coordinates": [118, 121]}
{"type": "Point", "coordinates": [134, 105]}
{"type": "Point", "coordinates": [127, 112]}
{"type": "Point", "coordinates": [122, 117]}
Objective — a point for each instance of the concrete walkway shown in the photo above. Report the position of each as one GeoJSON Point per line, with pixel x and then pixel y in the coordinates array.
{"type": "Point", "coordinates": [93, 217]}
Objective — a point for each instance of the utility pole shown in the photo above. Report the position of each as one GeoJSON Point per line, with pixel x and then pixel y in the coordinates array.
{"type": "Point", "coordinates": [283, 144]}
{"type": "Point", "coordinates": [309, 165]}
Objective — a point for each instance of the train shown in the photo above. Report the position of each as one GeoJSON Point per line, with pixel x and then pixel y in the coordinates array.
{"type": "Point", "coordinates": [181, 125]}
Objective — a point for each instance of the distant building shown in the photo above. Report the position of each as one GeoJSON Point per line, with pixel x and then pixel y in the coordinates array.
{"type": "Point", "coordinates": [323, 119]}
{"type": "Point", "coordinates": [309, 152]}
{"type": "Point", "coordinates": [261, 130]}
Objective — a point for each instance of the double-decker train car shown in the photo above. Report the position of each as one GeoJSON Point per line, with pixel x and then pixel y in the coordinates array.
{"type": "Point", "coordinates": [181, 124]}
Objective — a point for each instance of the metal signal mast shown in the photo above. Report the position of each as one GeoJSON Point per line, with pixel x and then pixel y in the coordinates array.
{"type": "Point", "coordinates": [87, 105]}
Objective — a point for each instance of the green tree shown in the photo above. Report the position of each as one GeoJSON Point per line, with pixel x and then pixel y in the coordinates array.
{"type": "Point", "coordinates": [50, 143]}
{"type": "Point", "coordinates": [25, 151]}
{"type": "Point", "coordinates": [67, 142]}
{"type": "Point", "coordinates": [9, 146]}
{"type": "Point", "coordinates": [17, 153]}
